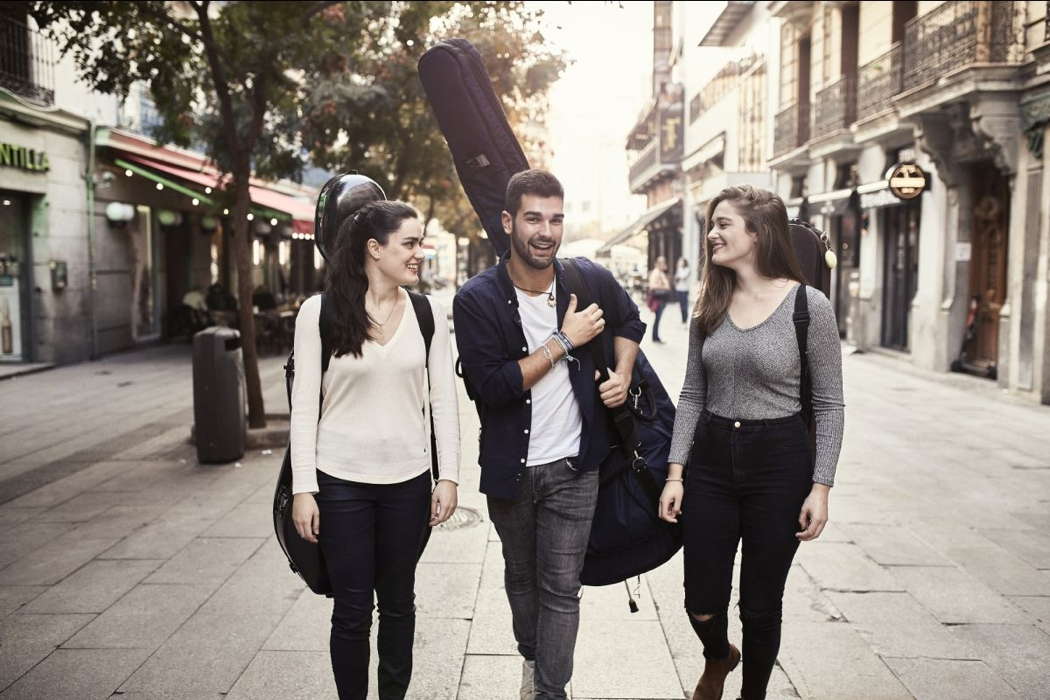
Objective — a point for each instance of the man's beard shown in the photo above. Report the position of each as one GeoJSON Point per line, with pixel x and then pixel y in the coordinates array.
{"type": "Point", "coordinates": [523, 251]}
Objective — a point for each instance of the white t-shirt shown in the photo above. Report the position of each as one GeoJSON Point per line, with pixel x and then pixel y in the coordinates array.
{"type": "Point", "coordinates": [681, 279]}
{"type": "Point", "coordinates": [556, 421]}
{"type": "Point", "coordinates": [373, 427]}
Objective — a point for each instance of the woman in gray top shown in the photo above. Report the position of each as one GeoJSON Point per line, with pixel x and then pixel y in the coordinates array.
{"type": "Point", "coordinates": [753, 474]}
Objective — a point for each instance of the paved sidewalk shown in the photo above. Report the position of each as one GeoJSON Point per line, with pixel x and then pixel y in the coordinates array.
{"type": "Point", "coordinates": [127, 570]}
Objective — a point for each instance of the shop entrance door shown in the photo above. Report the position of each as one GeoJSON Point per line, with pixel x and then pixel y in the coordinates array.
{"type": "Point", "coordinates": [991, 224]}
{"type": "Point", "coordinates": [900, 226]}
{"type": "Point", "coordinates": [14, 268]}
{"type": "Point", "coordinates": [846, 235]}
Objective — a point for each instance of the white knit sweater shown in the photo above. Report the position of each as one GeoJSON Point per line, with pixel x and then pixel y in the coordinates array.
{"type": "Point", "coordinates": [374, 425]}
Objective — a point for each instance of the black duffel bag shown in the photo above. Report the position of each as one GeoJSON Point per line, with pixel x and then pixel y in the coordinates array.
{"type": "Point", "coordinates": [628, 538]}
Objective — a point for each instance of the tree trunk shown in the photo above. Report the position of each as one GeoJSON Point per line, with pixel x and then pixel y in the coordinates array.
{"type": "Point", "coordinates": [242, 240]}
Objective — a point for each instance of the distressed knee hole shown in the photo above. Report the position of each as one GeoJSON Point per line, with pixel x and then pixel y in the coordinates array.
{"type": "Point", "coordinates": [700, 618]}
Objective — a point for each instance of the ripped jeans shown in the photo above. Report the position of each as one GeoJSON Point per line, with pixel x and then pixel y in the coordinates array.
{"type": "Point", "coordinates": [746, 482]}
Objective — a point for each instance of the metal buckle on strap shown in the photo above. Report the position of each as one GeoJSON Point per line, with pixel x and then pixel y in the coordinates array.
{"type": "Point", "coordinates": [635, 394]}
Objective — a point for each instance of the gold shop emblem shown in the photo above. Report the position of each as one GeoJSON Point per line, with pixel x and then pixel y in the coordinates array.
{"type": "Point", "coordinates": [906, 180]}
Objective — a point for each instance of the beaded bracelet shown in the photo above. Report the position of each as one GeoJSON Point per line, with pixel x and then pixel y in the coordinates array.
{"type": "Point", "coordinates": [565, 340]}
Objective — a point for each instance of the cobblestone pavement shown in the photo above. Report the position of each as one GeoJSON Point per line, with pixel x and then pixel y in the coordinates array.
{"type": "Point", "coordinates": [128, 570]}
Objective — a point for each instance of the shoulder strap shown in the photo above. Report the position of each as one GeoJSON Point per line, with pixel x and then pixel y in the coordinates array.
{"type": "Point", "coordinates": [801, 319]}
{"type": "Point", "coordinates": [578, 286]}
{"type": "Point", "coordinates": [324, 326]}
{"type": "Point", "coordinates": [425, 317]}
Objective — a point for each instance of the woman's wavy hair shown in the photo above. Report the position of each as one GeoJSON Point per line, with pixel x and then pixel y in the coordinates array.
{"type": "Point", "coordinates": [347, 282]}
{"type": "Point", "coordinates": [764, 213]}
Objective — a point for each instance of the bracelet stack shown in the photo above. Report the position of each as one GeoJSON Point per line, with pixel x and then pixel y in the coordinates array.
{"type": "Point", "coordinates": [564, 342]}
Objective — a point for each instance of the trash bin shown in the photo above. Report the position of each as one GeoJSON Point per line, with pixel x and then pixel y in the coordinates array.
{"type": "Point", "coordinates": [218, 395]}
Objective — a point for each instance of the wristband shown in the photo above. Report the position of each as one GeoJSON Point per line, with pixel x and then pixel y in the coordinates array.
{"type": "Point", "coordinates": [678, 480]}
{"type": "Point", "coordinates": [565, 340]}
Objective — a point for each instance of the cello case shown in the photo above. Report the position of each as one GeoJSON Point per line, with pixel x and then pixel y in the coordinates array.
{"type": "Point", "coordinates": [484, 149]}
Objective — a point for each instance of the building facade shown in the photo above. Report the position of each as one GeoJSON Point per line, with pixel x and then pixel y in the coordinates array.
{"type": "Point", "coordinates": [103, 232]}
{"type": "Point", "coordinates": [949, 100]}
{"type": "Point", "coordinates": [913, 134]}
{"type": "Point", "coordinates": [655, 146]}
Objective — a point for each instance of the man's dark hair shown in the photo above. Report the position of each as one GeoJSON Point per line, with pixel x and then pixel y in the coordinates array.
{"type": "Point", "coordinates": [535, 181]}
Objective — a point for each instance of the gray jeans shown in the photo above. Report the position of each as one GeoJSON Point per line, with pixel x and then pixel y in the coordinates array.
{"type": "Point", "coordinates": [544, 534]}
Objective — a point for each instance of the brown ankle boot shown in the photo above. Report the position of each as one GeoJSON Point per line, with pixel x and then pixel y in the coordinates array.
{"type": "Point", "coordinates": [709, 687]}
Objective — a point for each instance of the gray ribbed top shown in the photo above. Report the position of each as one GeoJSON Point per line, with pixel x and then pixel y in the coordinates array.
{"type": "Point", "coordinates": [755, 374]}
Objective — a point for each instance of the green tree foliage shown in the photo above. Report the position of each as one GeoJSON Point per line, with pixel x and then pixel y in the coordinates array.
{"type": "Point", "coordinates": [229, 75]}
{"type": "Point", "coordinates": [266, 86]}
{"type": "Point", "coordinates": [374, 118]}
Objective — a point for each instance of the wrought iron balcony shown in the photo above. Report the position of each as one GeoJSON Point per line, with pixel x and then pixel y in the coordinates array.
{"type": "Point", "coordinates": [645, 161]}
{"type": "Point", "coordinates": [880, 80]}
{"type": "Point", "coordinates": [790, 128]}
{"type": "Point", "coordinates": [955, 35]}
{"type": "Point", "coordinates": [836, 106]}
{"type": "Point", "coordinates": [27, 62]}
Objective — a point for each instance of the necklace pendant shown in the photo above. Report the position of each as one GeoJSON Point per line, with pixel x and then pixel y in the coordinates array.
{"type": "Point", "coordinates": [551, 302]}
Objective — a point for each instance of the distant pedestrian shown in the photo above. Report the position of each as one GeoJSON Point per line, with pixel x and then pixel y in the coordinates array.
{"type": "Point", "coordinates": [659, 293]}
{"type": "Point", "coordinates": [361, 463]}
{"type": "Point", "coordinates": [752, 472]}
{"type": "Point", "coordinates": [681, 288]}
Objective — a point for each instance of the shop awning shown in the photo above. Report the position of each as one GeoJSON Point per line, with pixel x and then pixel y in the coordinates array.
{"type": "Point", "coordinates": [639, 224]}
{"type": "Point", "coordinates": [268, 203]}
{"type": "Point", "coordinates": [832, 203]}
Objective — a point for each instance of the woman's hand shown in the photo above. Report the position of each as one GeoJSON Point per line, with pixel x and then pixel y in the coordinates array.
{"type": "Point", "coordinates": [306, 516]}
{"type": "Point", "coordinates": [443, 502]}
{"type": "Point", "coordinates": [814, 515]}
{"type": "Point", "coordinates": [671, 501]}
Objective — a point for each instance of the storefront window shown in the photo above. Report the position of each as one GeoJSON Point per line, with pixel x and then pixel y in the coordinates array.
{"type": "Point", "coordinates": [143, 278]}
{"type": "Point", "coordinates": [12, 270]}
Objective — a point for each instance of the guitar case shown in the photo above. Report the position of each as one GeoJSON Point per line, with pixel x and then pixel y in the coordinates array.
{"type": "Point", "coordinates": [484, 149]}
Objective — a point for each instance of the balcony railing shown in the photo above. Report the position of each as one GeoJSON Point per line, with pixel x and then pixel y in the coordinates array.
{"type": "Point", "coordinates": [836, 106]}
{"type": "Point", "coordinates": [954, 35]}
{"type": "Point", "coordinates": [27, 62]}
{"type": "Point", "coordinates": [645, 161]}
{"type": "Point", "coordinates": [790, 128]}
{"type": "Point", "coordinates": [880, 80]}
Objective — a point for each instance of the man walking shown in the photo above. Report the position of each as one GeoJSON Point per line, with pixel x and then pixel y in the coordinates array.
{"type": "Point", "coordinates": [544, 429]}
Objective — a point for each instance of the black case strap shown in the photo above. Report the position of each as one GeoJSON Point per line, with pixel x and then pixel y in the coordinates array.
{"type": "Point", "coordinates": [801, 319]}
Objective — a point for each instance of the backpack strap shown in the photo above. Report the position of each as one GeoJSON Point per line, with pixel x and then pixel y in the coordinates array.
{"type": "Point", "coordinates": [578, 286]}
{"type": "Point", "coordinates": [324, 326]}
{"type": "Point", "coordinates": [622, 418]}
{"type": "Point", "coordinates": [425, 318]}
{"type": "Point", "coordinates": [801, 319]}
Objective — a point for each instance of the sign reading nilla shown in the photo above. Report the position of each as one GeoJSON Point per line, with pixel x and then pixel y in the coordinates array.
{"type": "Point", "coordinates": [12, 156]}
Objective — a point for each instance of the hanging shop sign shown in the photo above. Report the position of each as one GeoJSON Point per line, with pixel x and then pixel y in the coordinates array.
{"type": "Point", "coordinates": [12, 156]}
{"type": "Point", "coordinates": [906, 180]}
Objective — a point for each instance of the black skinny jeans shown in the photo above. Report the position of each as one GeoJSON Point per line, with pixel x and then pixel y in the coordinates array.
{"type": "Point", "coordinates": [371, 537]}
{"type": "Point", "coordinates": [746, 482]}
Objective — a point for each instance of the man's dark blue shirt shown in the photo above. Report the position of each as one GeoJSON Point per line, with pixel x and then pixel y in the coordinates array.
{"type": "Point", "coordinates": [491, 340]}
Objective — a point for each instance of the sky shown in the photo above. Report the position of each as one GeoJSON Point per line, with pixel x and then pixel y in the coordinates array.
{"type": "Point", "coordinates": [596, 102]}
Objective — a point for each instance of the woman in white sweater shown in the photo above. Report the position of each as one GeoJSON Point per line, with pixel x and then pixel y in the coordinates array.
{"type": "Point", "coordinates": [361, 461]}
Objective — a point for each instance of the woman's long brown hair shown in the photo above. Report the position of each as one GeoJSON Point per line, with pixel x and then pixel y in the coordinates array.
{"type": "Point", "coordinates": [764, 213]}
